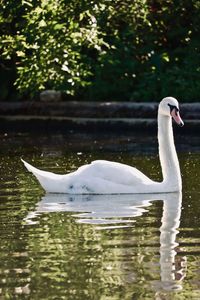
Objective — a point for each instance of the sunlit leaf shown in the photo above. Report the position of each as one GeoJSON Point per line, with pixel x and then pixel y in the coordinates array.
{"type": "Point", "coordinates": [59, 26]}
{"type": "Point", "coordinates": [42, 23]}
{"type": "Point", "coordinates": [20, 53]}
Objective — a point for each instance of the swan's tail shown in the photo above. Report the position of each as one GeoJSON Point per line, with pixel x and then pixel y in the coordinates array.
{"type": "Point", "coordinates": [49, 181]}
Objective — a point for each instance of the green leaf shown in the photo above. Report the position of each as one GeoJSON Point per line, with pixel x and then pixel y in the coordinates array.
{"type": "Point", "coordinates": [42, 23]}
{"type": "Point", "coordinates": [165, 56]}
{"type": "Point", "coordinates": [28, 3]}
{"type": "Point", "coordinates": [59, 26]}
{"type": "Point", "coordinates": [20, 53]}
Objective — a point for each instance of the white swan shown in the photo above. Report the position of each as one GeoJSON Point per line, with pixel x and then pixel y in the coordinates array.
{"type": "Point", "coordinates": [105, 177]}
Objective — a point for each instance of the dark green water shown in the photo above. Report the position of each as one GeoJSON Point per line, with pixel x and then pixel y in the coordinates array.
{"type": "Point", "coordinates": [97, 247]}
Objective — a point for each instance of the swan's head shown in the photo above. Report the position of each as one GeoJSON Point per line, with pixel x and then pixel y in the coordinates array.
{"type": "Point", "coordinates": [169, 106]}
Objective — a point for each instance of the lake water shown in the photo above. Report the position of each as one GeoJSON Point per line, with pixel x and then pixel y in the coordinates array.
{"type": "Point", "coordinates": [97, 247]}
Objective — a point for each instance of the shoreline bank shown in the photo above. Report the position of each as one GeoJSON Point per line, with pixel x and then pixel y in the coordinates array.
{"type": "Point", "coordinates": [62, 116]}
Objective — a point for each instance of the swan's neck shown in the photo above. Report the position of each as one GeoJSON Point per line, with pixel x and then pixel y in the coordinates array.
{"type": "Point", "coordinates": [167, 153]}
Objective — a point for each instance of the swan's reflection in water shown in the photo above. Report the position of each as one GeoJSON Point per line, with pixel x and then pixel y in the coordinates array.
{"type": "Point", "coordinates": [116, 211]}
{"type": "Point", "coordinates": [95, 209]}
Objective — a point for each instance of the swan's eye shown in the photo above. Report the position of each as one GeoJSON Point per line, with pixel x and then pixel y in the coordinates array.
{"type": "Point", "coordinates": [173, 107]}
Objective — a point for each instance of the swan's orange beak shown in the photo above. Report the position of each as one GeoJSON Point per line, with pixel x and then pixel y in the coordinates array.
{"type": "Point", "coordinates": [176, 116]}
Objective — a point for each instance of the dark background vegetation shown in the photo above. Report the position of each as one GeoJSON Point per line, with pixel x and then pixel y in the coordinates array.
{"type": "Point", "coordinates": [121, 50]}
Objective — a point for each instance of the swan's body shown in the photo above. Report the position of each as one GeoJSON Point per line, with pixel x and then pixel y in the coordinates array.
{"type": "Point", "coordinates": [105, 177]}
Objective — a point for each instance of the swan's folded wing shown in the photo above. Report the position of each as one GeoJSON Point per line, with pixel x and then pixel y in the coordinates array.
{"type": "Point", "coordinates": [114, 172]}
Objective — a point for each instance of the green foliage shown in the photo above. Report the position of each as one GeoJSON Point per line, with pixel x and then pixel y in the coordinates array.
{"type": "Point", "coordinates": [137, 50]}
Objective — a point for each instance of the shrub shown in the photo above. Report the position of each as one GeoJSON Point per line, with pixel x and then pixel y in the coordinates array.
{"type": "Point", "coordinates": [128, 50]}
